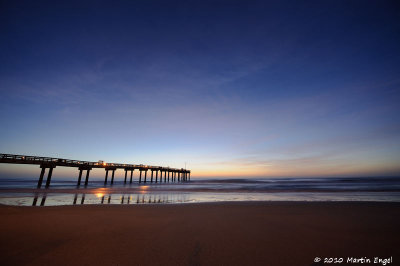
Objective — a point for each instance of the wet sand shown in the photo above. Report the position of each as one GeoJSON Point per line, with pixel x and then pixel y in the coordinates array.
{"type": "Point", "coordinates": [269, 233]}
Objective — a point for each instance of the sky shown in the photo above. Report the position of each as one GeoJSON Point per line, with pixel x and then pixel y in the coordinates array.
{"type": "Point", "coordinates": [229, 88]}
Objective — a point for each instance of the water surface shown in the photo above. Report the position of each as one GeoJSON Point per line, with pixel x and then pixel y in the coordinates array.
{"type": "Point", "coordinates": [65, 192]}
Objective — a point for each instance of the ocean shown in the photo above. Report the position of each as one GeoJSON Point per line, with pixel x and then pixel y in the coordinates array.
{"type": "Point", "coordinates": [23, 192]}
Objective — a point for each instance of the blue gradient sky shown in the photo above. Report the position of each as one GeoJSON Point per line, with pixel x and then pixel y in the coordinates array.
{"type": "Point", "coordinates": [233, 88]}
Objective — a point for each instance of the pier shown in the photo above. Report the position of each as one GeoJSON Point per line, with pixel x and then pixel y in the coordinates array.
{"type": "Point", "coordinates": [84, 168]}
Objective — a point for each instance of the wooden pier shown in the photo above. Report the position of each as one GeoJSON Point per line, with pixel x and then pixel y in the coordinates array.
{"type": "Point", "coordinates": [51, 163]}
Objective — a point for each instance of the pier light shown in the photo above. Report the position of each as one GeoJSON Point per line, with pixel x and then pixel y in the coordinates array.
{"type": "Point", "coordinates": [99, 195]}
{"type": "Point", "coordinates": [104, 163]}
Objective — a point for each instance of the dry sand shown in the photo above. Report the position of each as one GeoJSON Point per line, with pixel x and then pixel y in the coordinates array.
{"type": "Point", "coordinates": [274, 233]}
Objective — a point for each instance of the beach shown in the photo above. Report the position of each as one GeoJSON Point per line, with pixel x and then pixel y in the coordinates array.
{"type": "Point", "coordinates": [236, 233]}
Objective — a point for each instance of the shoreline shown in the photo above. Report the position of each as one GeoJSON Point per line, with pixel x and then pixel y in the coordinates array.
{"type": "Point", "coordinates": [254, 202]}
{"type": "Point", "coordinates": [210, 233]}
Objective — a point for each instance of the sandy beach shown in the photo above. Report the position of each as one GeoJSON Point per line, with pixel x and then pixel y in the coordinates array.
{"type": "Point", "coordinates": [269, 233]}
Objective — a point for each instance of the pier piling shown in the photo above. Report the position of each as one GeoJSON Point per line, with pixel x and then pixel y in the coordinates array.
{"type": "Point", "coordinates": [79, 178]}
{"type": "Point", "coordinates": [41, 177]}
{"type": "Point", "coordinates": [112, 176]}
{"type": "Point", "coordinates": [49, 177]}
{"type": "Point", "coordinates": [105, 179]}
{"type": "Point", "coordinates": [87, 177]}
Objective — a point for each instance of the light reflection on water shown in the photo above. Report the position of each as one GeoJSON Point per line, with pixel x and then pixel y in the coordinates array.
{"type": "Point", "coordinates": [56, 199]}
{"type": "Point", "coordinates": [64, 192]}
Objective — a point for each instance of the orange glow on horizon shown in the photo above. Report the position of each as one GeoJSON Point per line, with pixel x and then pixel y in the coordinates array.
{"type": "Point", "coordinates": [294, 169]}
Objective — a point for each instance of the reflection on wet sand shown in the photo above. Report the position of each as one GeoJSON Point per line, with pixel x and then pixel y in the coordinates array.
{"type": "Point", "coordinates": [82, 198]}
{"type": "Point", "coordinates": [107, 197]}
{"type": "Point", "coordinates": [42, 202]}
{"type": "Point", "coordinates": [34, 200]}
